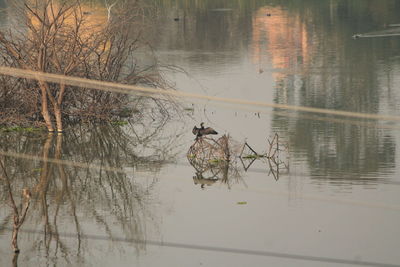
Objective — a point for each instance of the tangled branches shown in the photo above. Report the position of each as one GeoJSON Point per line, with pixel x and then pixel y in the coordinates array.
{"type": "Point", "coordinates": [216, 160]}
{"type": "Point", "coordinates": [63, 37]}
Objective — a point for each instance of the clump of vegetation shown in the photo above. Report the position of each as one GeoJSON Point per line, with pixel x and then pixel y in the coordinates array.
{"type": "Point", "coordinates": [253, 156]}
{"type": "Point", "coordinates": [119, 123]}
{"type": "Point", "coordinates": [20, 129]}
{"type": "Point", "coordinates": [65, 37]}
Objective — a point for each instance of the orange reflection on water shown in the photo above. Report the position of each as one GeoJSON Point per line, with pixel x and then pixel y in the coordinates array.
{"type": "Point", "coordinates": [279, 37]}
{"type": "Point", "coordinates": [89, 18]}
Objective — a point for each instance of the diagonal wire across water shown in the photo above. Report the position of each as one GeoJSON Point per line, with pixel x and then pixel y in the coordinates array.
{"type": "Point", "coordinates": [161, 93]}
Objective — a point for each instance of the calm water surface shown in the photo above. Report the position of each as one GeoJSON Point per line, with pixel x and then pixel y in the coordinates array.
{"type": "Point", "coordinates": [337, 204]}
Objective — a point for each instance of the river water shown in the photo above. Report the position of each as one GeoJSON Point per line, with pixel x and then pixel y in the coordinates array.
{"type": "Point", "coordinates": [330, 199]}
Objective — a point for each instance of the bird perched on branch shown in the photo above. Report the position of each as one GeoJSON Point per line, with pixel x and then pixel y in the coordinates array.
{"type": "Point", "coordinates": [198, 132]}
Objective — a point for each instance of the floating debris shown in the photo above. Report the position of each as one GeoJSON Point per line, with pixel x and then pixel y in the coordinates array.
{"type": "Point", "coordinates": [216, 160]}
{"type": "Point", "coordinates": [213, 160]}
{"type": "Point", "coordinates": [206, 151]}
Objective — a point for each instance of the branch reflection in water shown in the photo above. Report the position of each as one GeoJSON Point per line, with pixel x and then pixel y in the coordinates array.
{"type": "Point", "coordinates": [83, 200]}
{"type": "Point", "coordinates": [19, 214]}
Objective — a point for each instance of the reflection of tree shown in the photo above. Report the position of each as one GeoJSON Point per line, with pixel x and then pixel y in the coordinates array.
{"type": "Point", "coordinates": [323, 67]}
{"type": "Point", "coordinates": [18, 214]}
{"type": "Point", "coordinates": [51, 196]}
{"type": "Point", "coordinates": [362, 150]}
{"type": "Point", "coordinates": [206, 27]}
{"type": "Point", "coordinates": [76, 200]}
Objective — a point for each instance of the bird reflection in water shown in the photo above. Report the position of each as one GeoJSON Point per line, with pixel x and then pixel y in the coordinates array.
{"type": "Point", "coordinates": [199, 179]}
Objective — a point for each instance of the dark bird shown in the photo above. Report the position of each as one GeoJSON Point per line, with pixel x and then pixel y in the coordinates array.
{"type": "Point", "coordinates": [198, 132]}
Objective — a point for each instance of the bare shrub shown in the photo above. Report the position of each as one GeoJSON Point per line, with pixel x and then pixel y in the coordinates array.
{"type": "Point", "coordinates": [62, 37]}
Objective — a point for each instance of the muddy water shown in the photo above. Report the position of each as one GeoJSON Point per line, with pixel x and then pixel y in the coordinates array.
{"type": "Point", "coordinates": [127, 194]}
